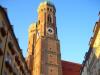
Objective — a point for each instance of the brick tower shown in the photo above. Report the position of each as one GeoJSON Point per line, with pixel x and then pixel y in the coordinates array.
{"type": "Point", "coordinates": [43, 56]}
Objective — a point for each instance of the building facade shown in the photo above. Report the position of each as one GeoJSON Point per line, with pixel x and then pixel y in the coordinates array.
{"type": "Point", "coordinates": [44, 57]}
{"type": "Point", "coordinates": [91, 63]}
{"type": "Point", "coordinates": [12, 61]}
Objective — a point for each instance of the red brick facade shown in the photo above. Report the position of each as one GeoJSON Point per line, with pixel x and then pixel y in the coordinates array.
{"type": "Point", "coordinates": [70, 68]}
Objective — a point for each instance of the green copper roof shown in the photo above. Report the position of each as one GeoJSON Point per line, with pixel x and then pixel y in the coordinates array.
{"type": "Point", "coordinates": [48, 2]}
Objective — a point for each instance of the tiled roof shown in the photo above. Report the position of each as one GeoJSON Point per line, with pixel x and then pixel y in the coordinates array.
{"type": "Point", "coordinates": [70, 68]}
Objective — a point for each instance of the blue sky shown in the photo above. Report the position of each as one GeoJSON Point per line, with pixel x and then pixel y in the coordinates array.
{"type": "Point", "coordinates": [75, 23]}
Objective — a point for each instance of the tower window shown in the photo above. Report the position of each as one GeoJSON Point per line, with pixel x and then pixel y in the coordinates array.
{"type": "Point", "coordinates": [50, 48]}
{"type": "Point", "coordinates": [50, 55]}
{"type": "Point", "coordinates": [48, 9]}
{"type": "Point", "coordinates": [51, 70]}
{"type": "Point", "coordinates": [38, 21]}
{"type": "Point", "coordinates": [41, 9]}
{"type": "Point", "coordinates": [49, 19]}
{"type": "Point", "coordinates": [44, 10]}
{"type": "Point", "coordinates": [51, 10]}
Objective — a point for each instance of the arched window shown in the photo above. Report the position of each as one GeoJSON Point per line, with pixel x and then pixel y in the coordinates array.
{"type": "Point", "coordinates": [38, 22]}
{"type": "Point", "coordinates": [50, 19]}
{"type": "Point", "coordinates": [34, 42]}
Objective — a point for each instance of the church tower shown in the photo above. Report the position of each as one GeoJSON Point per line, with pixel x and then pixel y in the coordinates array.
{"type": "Point", "coordinates": [43, 56]}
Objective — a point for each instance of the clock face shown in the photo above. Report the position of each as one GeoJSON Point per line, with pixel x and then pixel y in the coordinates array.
{"type": "Point", "coordinates": [50, 30]}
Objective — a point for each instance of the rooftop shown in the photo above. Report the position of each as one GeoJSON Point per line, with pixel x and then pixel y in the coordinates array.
{"type": "Point", "coordinates": [70, 68]}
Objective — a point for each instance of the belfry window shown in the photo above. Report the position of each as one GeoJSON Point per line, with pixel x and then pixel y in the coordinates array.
{"type": "Point", "coordinates": [50, 10]}
{"type": "Point", "coordinates": [49, 18]}
{"type": "Point", "coordinates": [38, 21]}
{"type": "Point", "coordinates": [34, 40]}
